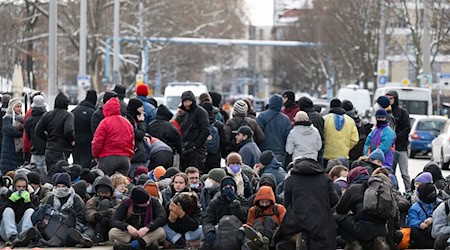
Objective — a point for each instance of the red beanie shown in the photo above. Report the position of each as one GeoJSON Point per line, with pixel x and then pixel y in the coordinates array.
{"type": "Point", "coordinates": [142, 90]}
{"type": "Point", "coordinates": [140, 170]}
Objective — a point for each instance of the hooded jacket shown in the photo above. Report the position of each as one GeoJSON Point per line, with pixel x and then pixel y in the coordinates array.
{"type": "Point", "coordinates": [419, 212]}
{"type": "Point", "coordinates": [316, 119]}
{"type": "Point", "coordinates": [37, 143]}
{"type": "Point", "coordinates": [433, 168]}
{"type": "Point", "coordinates": [382, 138]}
{"type": "Point", "coordinates": [276, 126]}
{"type": "Point", "coordinates": [257, 213]}
{"type": "Point", "coordinates": [19, 206]}
{"type": "Point", "coordinates": [83, 133]}
{"type": "Point", "coordinates": [402, 125]}
{"type": "Point", "coordinates": [139, 128]}
{"type": "Point", "coordinates": [194, 124]}
{"type": "Point", "coordinates": [92, 205]}
{"type": "Point", "coordinates": [341, 135]}
{"type": "Point", "coordinates": [162, 129]}
{"type": "Point", "coordinates": [304, 141]}
{"type": "Point", "coordinates": [268, 180]}
{"type": "Point", "coordinates": [114, 135]}
{"type": "Point", "coordinates": [309, 197]}
{"type": "Point", "coordinates": [276, 169]}
{"type": "Point", "coordinates": [149, 109]}
{"type": "Point", "coordinates": [57, 126]}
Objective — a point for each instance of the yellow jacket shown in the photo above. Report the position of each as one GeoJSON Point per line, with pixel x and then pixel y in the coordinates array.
{"type": "Point", "coordinates": [338, 143]}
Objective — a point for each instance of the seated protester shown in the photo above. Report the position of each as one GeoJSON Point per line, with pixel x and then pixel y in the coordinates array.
{"type": "Point", "coordinates": [100, 209]}
{"type": "Point", "coordinates": [338, 175]}
{"type": "Point", "coordinates": [420, 217]}
{"type": "Point", "coordinates": [64, 199]}
{"type": "Point", "coordinates": [179, 184]}
{"type": "Point", "coordinates": [120, 183]}
{"type": "Point", "coordinates": [152, 189]}
{"type": "Point", "coordinates": [359, 227]}
{"type": "Point", "coordinates": [89, 176]}
{"type": "Point", "coordinates": [193, 175]}
{"type": "Point", "coordinates": [234, 169]}
{"type": "Point", "coordinates": [424, 177]}
{"type": "Point", "coordinates": [166, 178]}
{"type": "Point", "coordinates": [81, 190]}
{"type": "Point", "coordinates": [440, 230]}
{"type": "Point", "coordinates": [268, 164]}
{"type": "Point", "coordinates": [40, 191]}
{"type": "Point", "coordinates": [155, 174]}
{"type": "Point", "coordinates": [138, 171]}
{"type": "Point", "coordinates": [252, 176]}
{"type": "Point", "coordinates": [184, 219]}
{"type": "Point", "coordinates": [309, 197]}
{"type": "Point", "coordinates": [16, 228]}
{"type": "Point", "coordinates": [280, 187]}
{"type": "Point", "coordinates": [212, 186]}
{"type": "Point", "coordinates": [227, 202]}
{"type": "Point", "coordinates": [371, 162]}
{"type": "Point", "coordinates": [433, 168]}
{"type": "Point", "coordinates": [264, 217]}
{"type": "Point", "coordinates": [137, 222]}
{"type": "Point", "coordinates": [74, 170]}
{"type": "Point", "coordinates": [267, 180]}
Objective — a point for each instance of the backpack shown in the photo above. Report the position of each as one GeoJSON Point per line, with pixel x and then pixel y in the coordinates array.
{"type": "Point", "coordinates": [213, 141]}
{"type": "Point", "coordinates": [52, 222]}
{"type": "Point", "coordinates": [378, 199]}
{"type": "Point", "coordinates": [228, 235]}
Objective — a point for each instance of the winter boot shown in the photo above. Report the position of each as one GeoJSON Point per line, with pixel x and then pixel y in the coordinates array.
{"type": "Point", "coordinates": [379, 243]}
{"type": "Point", "coordinates": [12, 241]}
{"type": "Point", "coordinates": [121, 246]}
{"type": "Point", "coordinates": [80, 238]}
{"type": "Point", "coordinates": [353, 245]}
{"type": "Point", "coordinates": [53, 242]}
{"type": "Point", "coordinates": [27, 238]}
{"type": "Point", "coordinates": [193, 244]}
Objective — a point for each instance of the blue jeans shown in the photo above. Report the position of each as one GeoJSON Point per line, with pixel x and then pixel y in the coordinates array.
{"type": "Point", "coordinates": [173, 236]}
{"type": "Point", "coordinates": [8, 226]}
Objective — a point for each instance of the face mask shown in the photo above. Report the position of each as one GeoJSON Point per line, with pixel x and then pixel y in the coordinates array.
{"type": "Point", "coordinates": [380, 123]}
{"type": "Point", "coordinates": [89, 190]}
{"type": "Point", "coordinates": [235, 168]}
{"type": "Point", "coordinates": [209, 183]}
{"type": "Point", "coordinates": [264, 207]}
{"type": "Point", "coordinates": [194, 185]}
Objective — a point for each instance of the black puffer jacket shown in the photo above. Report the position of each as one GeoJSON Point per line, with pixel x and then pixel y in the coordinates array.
{"type": "Point", "coordinates": [402, 125]}
{"type": "Point", "coordinates": [139, 128]}
{"type": "Point", "coordinates": [37, 143]}
{"type": "Point", "coordinates": [194, 124]}
{"type": "Point", "coordinates": [162, 129]}
{"type": "Point", "coordinates": [57, 126]}
{"type": "Point", "coordinates": [83, 133]}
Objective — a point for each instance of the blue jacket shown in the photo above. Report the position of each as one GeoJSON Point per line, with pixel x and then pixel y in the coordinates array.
{"type": "Point", "coordinates": [149, 109]}
{"type": "Point", "coordinates": [417, 215]}
{"type": "Point", "coordinates": [10, 159]}
{"type": "Point", "coordinates": [249, 152]}
{"type": "Point", "coordinates": [276, 126]}
{"type": "Point", "coordinates": [275, 169]}
{"type": "Point", "coordinates": [384, 139]}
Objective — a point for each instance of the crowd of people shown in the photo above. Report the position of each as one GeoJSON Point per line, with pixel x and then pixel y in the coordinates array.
{"type": "Point", "coordinates": [144, 178]}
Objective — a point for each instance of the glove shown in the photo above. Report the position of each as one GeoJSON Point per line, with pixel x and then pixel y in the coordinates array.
{"type": "Point", "coordinates": [210, 237]}
{"type": "Point", "coordinates": [172, 217]}
{"type": "Point", "coordinates": [15, 196]}
{"type": "Point", "coordinates": [26, 196]}
{"type": "Point", "coordinates": [229, 194]}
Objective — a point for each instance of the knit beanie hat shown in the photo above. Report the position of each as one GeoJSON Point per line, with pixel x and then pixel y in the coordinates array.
{"type": "Point", "coordinates": [301, 116]}
{"type": "Point", "coordinates": [335, 103]}
{"type": "Point", "coordinates": [34, 178]}
{"type": "Point", "coordinates": [217, 174]}
{"type": "Point", "coordinates": [170, 172]}
{"type": "Point", "coordinates": [289, 95]}
{"type": "Point", "coordinates": [216, 98]}
{"type": "Point", "coordinates": [139, 195]}
{"type": "Point", "coordinates": [61, 178]}
{"type": "Point", "coordinates": [266, 157]}
{"type": "Point", "coordinates": [108, 95]}
{"type": "Point", "coordinates": [158, 172]}
{"type": "Point", "coordinates": [20, 176]}
{"type": "Point", "coordinates": [39, 102]}
{"type": "Point", "coordinates": [234, 158]}
{"type": "Point", "coordinates": [427, 193]}
{"type": "Point", "coordinates": [381, 113]}
{"type": "Point", "coordinates": [142, 90]}
{"type": "Point", "coordinates": [377, 155]}
{"type": "Point", "coordinates": [91, 97]}
{"type": "Point", "coordinates": [12, 103]}
{"type": "Point", "coordinates": [142, 179]}
{"type": "Point", "coordinates": [227, 181]}
{"type": "Point", "coordinates": [151, 188]}
{"type": "Point", "coordinates": [347, 105]}
{"type": "Point", "coordinates": [240, 107]}
{"type": "Point", "coordinates": [140, 170]}
{"type": "Point", "coordinates": [383, 101]}
{"type": "Point", "coordinates": [73, 170]}
{"type": "Point", "coordinates": [80, 189]}
{"type": "Point", "coordinates": [354, 173]}
{"type": "Point", "coordinates": [204, 97]}
{"type": "Point", "coordinates": [424, 177]}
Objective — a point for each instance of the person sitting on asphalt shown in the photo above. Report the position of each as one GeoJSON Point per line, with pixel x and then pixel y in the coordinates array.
{"type": "Point", "coordinates": [212, 186]}
{"type": "Point", "coordinates": [180, 183]}
{"type": "Point", "coordinates": [234, 169]}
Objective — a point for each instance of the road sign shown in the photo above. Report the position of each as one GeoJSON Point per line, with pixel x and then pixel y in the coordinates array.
{"type": "Point", "coordinates": [406, 82]}
{"type": "Point", "coordinates": [382, 80]}
{"type": "Point", "coordinates": [383, 68]}
{"type": "Point", "coordinates": [444, 80]}
{"type": "Point", "coordinates": [139, 79]}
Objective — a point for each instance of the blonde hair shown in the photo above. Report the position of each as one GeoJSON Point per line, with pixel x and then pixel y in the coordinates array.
{"type": "Point", "coordinates": [118, 179]}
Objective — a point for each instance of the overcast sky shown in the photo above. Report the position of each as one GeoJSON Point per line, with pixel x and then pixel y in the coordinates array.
{"type": "Point", "coordinates": [260, 12]}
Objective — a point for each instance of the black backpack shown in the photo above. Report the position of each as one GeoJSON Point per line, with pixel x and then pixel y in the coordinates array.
{"type": "Point", "coordinates": [378, 198]}
{"type": "Point", "coordinates": [52, 222]}
{"type": "Point", "coordinates": [228, 235]}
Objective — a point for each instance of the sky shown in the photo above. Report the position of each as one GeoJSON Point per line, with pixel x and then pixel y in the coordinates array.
{"type": "Point", "coordinates": [260, 12]}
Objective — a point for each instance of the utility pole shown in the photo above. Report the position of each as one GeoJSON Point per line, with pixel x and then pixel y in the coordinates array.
{"type": "Point", "coordinates": [83, 18]}
{"type": "Point", "coordinates": [382, 38]}
{"type": "Point", "coordinates": [52, 53]}
{"type": "Point", "coordinates": [116, 60]}
{"type": "Point", "coordinates": [426, 38]}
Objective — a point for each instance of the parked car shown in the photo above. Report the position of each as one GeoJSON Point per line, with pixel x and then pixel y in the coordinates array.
{"type": "Point", "coordinates": [441, 147]}
{"type": "Point", "coordinates": [424, 129]}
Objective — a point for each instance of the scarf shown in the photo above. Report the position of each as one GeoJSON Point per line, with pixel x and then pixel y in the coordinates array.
{"type": "Point", "coordinates": [59, 193]}
{"type": "Point", "coordinates": [238, 179]}
{"type": "Point", "coordinates": [148, 212]}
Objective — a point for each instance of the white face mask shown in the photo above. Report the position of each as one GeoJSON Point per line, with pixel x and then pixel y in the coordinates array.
{"type": "Point", "coordinates": [208, 183]}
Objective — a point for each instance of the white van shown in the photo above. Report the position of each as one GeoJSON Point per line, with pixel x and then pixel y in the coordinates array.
{"type": "Point", "coordinates": [359, 97]}
{"type": "Point", "coordinates": [173, 91]}
{"type": "Point", "coordinates": [416, 100]}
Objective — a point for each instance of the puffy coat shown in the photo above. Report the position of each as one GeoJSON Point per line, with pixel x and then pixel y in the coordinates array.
{"type": "Point", "coordinates": [341, 135]}
{"type": "Point", "coordinates": [10, 159]}
{"type": "Point", "coordinates": [275, 169]}
{"type": "Point", "coordinates": [114, 135]}
{"type": "Point", "coordinates": [78, 205]}
{"type": "Point", "coordinates": [233, 124]}
{"type": "Point", "coordinates": [57, 126]}
{"type": "Point", "coordinates": [419, 212]}
{"type": "Point", "coordinates": [257, 213]}
{"type": "Point", "coordinates": [249, 152]}
{"type": "Point", "coordinates": [402, 124]}
{"type": "Point", "coordinates": [37, 143]}
{"type": "Point", "coordinates": [83, 133]}
{"type": "Point", "coordinates": [382, 138]}
{"type": "Point", "coordinates": [276, 127]}
{"type": "Point", "coordinates": [162, 129]}
{"type": "Point", "coordinates": [304, 141]}
{"type": "Point", "coordinates": [194, 124]}
{"type": "Point", "coordinates": [139, 128]}
{"type": "Point", "coordinates": [149, 109]}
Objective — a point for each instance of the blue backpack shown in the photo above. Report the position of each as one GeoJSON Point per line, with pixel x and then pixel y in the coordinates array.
{"type": "Point", "coordinates": [213, 141]}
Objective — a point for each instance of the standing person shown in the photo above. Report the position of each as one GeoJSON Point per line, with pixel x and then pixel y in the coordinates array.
{"type": "Point", "coordinates": [304, 139]}
{"type": "Point", "coordinates": [248, 149]}
{"type": "Point", "coordinates": [216, 140]}
{"type": "Point", "coordinates": [341, 134]}
{"type": "Point", "coordinates": [290, 107]}
{"type": "Point", "coordinates": [221, 115]}
{"type": "Point", "coordinates": [316, 119]}
{"type": "Point", "coordinates": [356, 151]}
{"type": "Point", "coordinates": [37, 143]}
{"type": "Point", "coordinates": [83, 133]}
{"type": "Point", "coordinates": [276, 127]}
{"type": "Point", "coordinates": [98, 116]}
{"type": "Point", "coordinates": [121, 91]}
{"type": "Point", "coordinates": [56, 127]}
{"type": "Point", "coordinates": [402, 129]}
{"type": "Point", "coordinates": [113, 143]}
{"type": "Point", "coordinates": [240, 118]}
{"type": "Point", "coordinates": [149, 109]}
{"type": "Point", "coordinates": [384, 103]}
{"type": "Point", "coordinates": [5, 101]}
{"type": "Point", "coordinates": [194, 130]}
{"type": "Point", "coordinates": [11, 156]}
{"type": "Point", "coordinates": [26, 139]}
{"type": "Point", "coordinates": [135, 115]}
{"type": "Point", "coordinates": [308, 181]}
{"type": "Point", "coordinates": [268, 164]}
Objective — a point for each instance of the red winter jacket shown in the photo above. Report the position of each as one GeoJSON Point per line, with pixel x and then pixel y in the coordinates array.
{"type": "Point", "coordinates": [26, 140]}
{"type": "Point", "coordinates": [114, 136]}
{"type": "Point", "coordinates": [291, 112]}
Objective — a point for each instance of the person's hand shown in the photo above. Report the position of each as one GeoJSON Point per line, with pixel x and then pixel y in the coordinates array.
{"type": "Point", "coordinates": [177, 209]}
{"type": "Point", "coordinates": [428, 221]}
{"type": "Point", "coordinates": [256, 168]}
{"type": "Point", "coordinates": [423, 226]}
{"type": "Point", "coordinates": [173, 217]}
{"type": "Point", "coordinates": [142, 232]}
{"type": "Point", "coordinates": [26, 196]}
{"type": "Point", "coordinates": [15, 196]}
{"type": "Point", "coordinates": [133, 231]}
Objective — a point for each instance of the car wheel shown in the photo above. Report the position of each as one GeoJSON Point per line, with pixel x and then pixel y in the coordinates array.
{"type": "Point", "coordinates": [444, 165]}
{"type": "Point", "coordinates": [411, 154]}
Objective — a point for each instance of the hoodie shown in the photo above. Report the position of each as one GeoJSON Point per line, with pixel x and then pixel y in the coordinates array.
{"type": "Point", "coordinates": [402, 125]}
{"type": "Point", "coordinates": [258, 213]}
{"type": "Point", "coordinates": [276, 127]}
